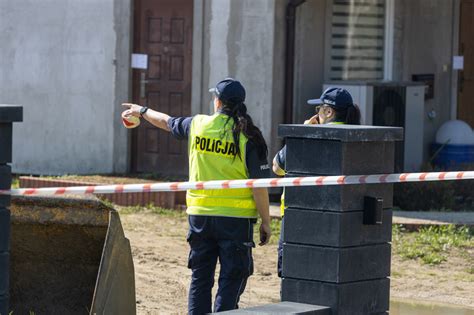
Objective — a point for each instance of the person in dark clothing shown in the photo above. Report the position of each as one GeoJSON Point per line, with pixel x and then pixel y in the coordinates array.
{"type": "Point", "coordinates": [336, 107]}
{"type": "Point", "coordinates": [223, 146]}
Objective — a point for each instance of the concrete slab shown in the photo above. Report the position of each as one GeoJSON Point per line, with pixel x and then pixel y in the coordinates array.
{"type": "Point", "coordinates": [4, 276]}
{"type": "Point", "coordinates": [5, 230]}
{"type": "Point", "coordinates": [5, 142]}
{"type": "Point", "coordinates": [364, 157]}
{"type": "Point", "coordinates": [354, 298]}
{"type": "Point", "coordinates": [11, 113]}
{"type": "Point", "coordinates": [336, 198]}
{"type": "Point", "coordinates": [344, 133]}
{"type": "Point", "coordinates": [414, 219]}
{"type": "Point", "coordinates": [336, 265]}
{"type": "Point", "coordinates": [283, 308]}
{"type": "Point", "coordinates": [343, 229]}
{"type": "Point", "coordinates": [5, 183]}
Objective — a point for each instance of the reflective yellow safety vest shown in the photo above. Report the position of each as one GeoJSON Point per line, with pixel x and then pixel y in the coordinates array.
{"type": "Point", "coordinates": [212, 156]}
{"type": "Point", "coordinates": [282, 198]}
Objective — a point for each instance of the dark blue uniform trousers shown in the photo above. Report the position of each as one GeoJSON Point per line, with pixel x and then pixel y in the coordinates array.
{"type": "Point", "coordinates": [280, 247]}
{"type": "Point", "coordinates": [230, 240]}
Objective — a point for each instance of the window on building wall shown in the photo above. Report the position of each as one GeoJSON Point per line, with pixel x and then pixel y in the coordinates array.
{"type": "Point", "coordinates": [357, 40]}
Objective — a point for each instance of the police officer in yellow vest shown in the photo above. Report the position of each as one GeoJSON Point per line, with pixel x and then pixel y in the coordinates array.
{"type": "Point", "coordinates": [335, 106]}
{"type": "Point", "coordinates": [223, 146]}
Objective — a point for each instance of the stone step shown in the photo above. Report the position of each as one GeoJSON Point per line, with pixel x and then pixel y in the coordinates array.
{"type": "Point", "coordinates": [283, 308]}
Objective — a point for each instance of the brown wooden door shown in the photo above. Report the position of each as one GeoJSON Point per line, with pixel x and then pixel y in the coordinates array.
{"type": "Point", "coordinates": [466, 76]}
{"type": "Point", "coordinates": [163, 31]}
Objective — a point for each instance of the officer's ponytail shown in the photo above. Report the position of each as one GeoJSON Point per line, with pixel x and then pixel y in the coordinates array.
{"type": "Point", "coordinates": [243, 124]}
{"type": "Point", "coordinates": [349, 115]}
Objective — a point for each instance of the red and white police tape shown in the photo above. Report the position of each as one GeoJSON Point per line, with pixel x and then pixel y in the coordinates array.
{"type": "Point", "coordinates": [245, 183]}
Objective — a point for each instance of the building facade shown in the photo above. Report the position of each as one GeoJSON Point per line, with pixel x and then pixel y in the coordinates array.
{"type": "Point", "coordinates": [69, 63]}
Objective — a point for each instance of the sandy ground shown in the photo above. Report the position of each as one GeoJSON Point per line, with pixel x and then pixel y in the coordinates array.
{"type": "Point", "coordinates": [160, 255]}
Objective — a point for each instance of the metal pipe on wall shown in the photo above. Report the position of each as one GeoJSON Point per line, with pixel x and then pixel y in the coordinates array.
{"type": "Point", "coordinates": [290, 58]}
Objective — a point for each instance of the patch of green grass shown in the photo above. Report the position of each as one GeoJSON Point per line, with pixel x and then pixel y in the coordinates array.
{"type": "Point", "coordinates": [464, 276]}
{"type": "Point", "coordinates": [396, 274]}
{"type": "Point", "coordinates": [130, 210]}
{"type": "Point", "coordinates": [107, 202]}
{"type": "Point", "coordinates": [15, 182]}
{"type": "Point", "coordinates": [431, 245]}
{"type": "Point", "coordinates": [167, 212]}
{"type": "Point", "coordinates": [275, 225]}
{"type": "Point", "coordinates": [129, 176]}
{"type": "Point", "coordinates": [154, 210]}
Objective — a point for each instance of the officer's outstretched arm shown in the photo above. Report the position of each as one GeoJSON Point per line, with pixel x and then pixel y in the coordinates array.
{"type": "Point", "coordinates": [260, 195]}
{"type": "Point", "coordinates": [154, 117]}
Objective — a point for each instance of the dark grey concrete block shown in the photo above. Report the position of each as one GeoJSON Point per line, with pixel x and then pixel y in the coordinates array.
{"type": "Point", "coordinates": [5, 143]}
{"type": "Point", "coordinates": [5, 200]}
{"type": "Point", "coordinates": [5, 183]}
{"type": "Point", "coordinates": [4, 230]}
{"type": "Point", "coordinates": [355, 298]}
{"type": "Point", "coordinates": [336, 198]}
{"type": "Point", "coordinates": [8, 114]}
{"type": "Point", "coordinates": [5, 176]}
{"type": "Point", "coordinates": [336, 265]}
{"type": "Point", "coordinates": [344, 133]}
{"type": "Point", "coordinates": [335, 229]}
{"type": "Point", "coordinates": [11, 113]}
{"type": "Point", "coordinates": [4, 272]}
{"type": "Point", "coordinates": [283, 308]}
{"type": "Point", "coordinates": [4, 304]}
{"type": "Point", "coordinates": [323, 157]}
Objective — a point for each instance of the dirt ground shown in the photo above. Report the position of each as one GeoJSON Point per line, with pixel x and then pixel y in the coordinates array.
{"type": "Point", "coordinates": [160, 255]}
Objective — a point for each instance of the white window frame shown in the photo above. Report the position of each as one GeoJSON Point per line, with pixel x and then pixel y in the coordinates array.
{"type": "Point", "coordinates": [388, 41]}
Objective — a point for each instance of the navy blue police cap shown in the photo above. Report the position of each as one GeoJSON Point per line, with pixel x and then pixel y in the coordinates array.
{"type": "Point", "coordinates": [335, 97]}
{"type": "Point", "coordinates": [229, 90]}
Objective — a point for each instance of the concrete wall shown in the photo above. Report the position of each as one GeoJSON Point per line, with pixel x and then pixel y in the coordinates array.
{"type": "Point", "coordinates": [59, 60]}
{"type": "Point", "coordinates": [278, 78]}
{"type": "Point", "coordinates": [245, 40]}
{"type": "Point", "coordinates": [424, 30]}
{"type": "Point", "coordinates": [309, 57]}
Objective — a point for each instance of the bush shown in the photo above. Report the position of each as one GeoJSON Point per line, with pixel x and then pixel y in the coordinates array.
{"type": "Point", "coordinates": [442, 196]}
{"type": "Point", "coordinates": [425, 196]}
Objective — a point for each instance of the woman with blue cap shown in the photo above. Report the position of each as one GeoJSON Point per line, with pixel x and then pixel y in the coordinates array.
{"type": "Point", "coordinates": [223, 146]}
{"type": "Point", "coordinates": [334, 107]}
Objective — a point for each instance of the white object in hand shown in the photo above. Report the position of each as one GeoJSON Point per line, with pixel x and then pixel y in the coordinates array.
{"type": "Point", "coordinates": [130, 121]}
